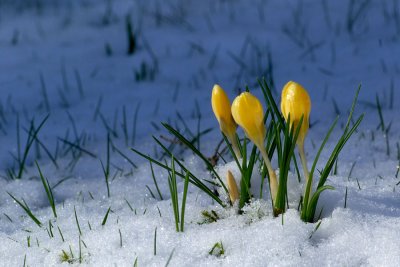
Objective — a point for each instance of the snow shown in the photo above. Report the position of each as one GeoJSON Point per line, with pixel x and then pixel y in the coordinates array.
{"type": "Point", "coordinates": [196, 44]}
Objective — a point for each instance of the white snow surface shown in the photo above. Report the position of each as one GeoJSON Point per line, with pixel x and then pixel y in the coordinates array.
{"type": "Point", "coordinates": [323, 45]}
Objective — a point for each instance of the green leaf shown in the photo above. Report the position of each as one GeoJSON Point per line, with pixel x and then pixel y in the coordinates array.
{"type": "Point", "coordinates": [195, 151]}
{"type": "Point", "coordinates": [310, 179]}
{"type": "Point", "coordinates": [105, 217]}
{"type": "Point", "coordinates": [193, 179]}
{"type": "Point", "coordinates": [314, 200]}
{"type": "Point", "coordinates": [48, 190]}
{"type": "Point", "coordinates": [26, 208]}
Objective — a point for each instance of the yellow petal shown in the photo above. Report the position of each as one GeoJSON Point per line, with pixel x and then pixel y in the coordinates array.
{"type": "Point", "coordinates": [248, 112]}
{"type": "Point", "coordinates": [232, 187]}
{"type": "Point", "coordinates": [296, 102]}
{"type": "Point", "coordinates": [222, 110]}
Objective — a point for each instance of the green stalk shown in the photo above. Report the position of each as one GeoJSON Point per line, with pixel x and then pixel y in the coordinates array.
{"type": "Point", "coordinates": [48, 190]}
{"type": "Point", "coordinates": [235, 146]}
{"type": "Point", "coordinates": [303, 159]}
{"type": "Point", "coordinates": [174, 193]}
{"type": "Point", "coordinates": [285, 155]}
{"type": "Point", "coordinates": [185, 190]}
{"type": "Point", "coordinates": [273, 181]}
{"type": "Point", "coordinates": [310, 204]}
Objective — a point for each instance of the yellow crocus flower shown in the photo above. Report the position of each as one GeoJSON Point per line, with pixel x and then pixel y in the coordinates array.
{"type": "Point", "coordinates": [222, 110]}
{"type": "Point", "coordinates": [296, 102]}
{"type": "Point", "coordinates": [248, 112]}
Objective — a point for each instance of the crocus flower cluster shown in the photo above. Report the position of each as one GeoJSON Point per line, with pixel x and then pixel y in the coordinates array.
{"type": "Point", "coordinates": [247, 112]}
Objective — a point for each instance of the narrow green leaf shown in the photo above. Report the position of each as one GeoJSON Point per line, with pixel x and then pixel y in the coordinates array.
{"type": "Point", "coordinates": [26, 208]}
{"type": "Point", "coordinates": [48, 190]}
{"type": "Point", "coordinates": [185, 190]}
{"type": "Point", "coordinates": [196, 151]}
{"type": "Point", "coordinates": [314, 200]}
{"type": "Point", "coordinates": [105, 217]}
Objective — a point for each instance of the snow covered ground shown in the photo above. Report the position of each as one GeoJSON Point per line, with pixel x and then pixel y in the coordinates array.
{"type": "Point", "coordinates": [70, 59]}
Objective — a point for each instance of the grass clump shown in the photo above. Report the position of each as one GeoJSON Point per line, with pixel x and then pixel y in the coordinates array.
{"type": "Point", "coordinates": [209, 216]}
{"type": "Point", "coordinates": [217, 250]}
{"type": "Point", "coordinates": [49, 191]}
{"type": "Point", "coordinates": [179, 217]}
{"type": "Point", "coordinates": [70, 258]}
{"type": "Point", "coordinates": [67, 257]}
{"type": "Point", "coordinates": [22, 153]}
{"type": "Point", "coordinates": [310, 200]}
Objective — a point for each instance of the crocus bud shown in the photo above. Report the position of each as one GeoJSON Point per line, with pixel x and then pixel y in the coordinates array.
{"type": "Point", "coordinates": [222, 110]}
{"type": "Point", "coordinates": [232, 187]}
{"type": "Point", "coordinates": [296, 102]}
{"type": "Point", "coordinates": [248, 112]}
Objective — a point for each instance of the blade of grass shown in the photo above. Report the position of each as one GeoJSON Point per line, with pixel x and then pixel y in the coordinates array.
{"type": "Point", "coordinates": [193, 179]}
{"type": "Point", "coordinates": [105, 217]}
{"type": "Point", "coordinates": [197, 152]}
{"type": "Point", "coordinates": [77, 222]}
{"type": "Point", "coordinates": [155, 242]}
{"type": "Point", "coordinates": [174, 193]}
{"type": "Point", "coordinates": [26, 208]}
{"type": "Point", "coordinates": [29, 142]}
{"type": "Point", "coordinates": [74, 145]}
{"type": "Point", "coordinates": [48, 190]}
{"type": "Point", "coordinates": [185, 190]}
{"type": "Point", "coordinates": [169, 258]}
{"type": "Point", "coordinates": [124, 156]}
{"type": "Point", "coordinates": [155, 181]}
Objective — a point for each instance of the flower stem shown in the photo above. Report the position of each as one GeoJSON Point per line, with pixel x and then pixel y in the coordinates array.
{"type": "Point", "coordinates": [303, 160]}
{"type": "Point", "coordinates": [235, 146]}
{"type": "Point", "coordinates": [273, 182]}
{"type": "Point", "coordinates": [306, 173]}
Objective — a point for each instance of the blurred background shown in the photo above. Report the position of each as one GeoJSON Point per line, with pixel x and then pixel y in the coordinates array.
{"type": "Point", "coordinates": [120, 67]}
